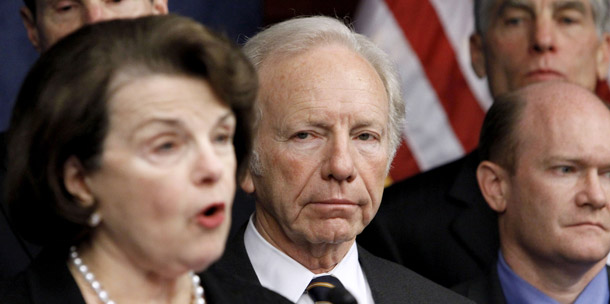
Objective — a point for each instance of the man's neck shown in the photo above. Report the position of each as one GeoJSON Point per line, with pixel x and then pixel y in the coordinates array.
{"type": "Point", "coordinates": [318, 258]}
{"type": "Point", "coordinates": [562, 281]}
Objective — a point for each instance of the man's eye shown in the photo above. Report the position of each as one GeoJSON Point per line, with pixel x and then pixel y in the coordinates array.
{"type": "Point", "coordinates": [567, 20]}
{"type": "Point", "coordinates": [514, 21]}
{"type": "Point", "coordinates": [565, 169]}
{"type": "Point", "coordinates": [65, 8]}
{"type": "Point", "coordinates": [364, 136]}
{"type": "Point", "coordinates": [302, 135]}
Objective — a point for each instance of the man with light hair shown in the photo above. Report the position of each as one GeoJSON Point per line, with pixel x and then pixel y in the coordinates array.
{"type": "Point", "coordinates": [545, 171]}
{"type": "Point", "coordinates": [329, 116]}
{"type": "Point", "coordinates": [437, 223]}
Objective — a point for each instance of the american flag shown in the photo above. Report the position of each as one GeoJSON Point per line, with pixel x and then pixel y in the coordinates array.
{"type": "Point", "coordinates": [446, 102]}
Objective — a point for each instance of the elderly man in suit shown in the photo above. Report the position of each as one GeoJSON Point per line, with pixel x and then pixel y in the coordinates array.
{"type": "Point", "coordinates": [437, 223]}
{"type": "Point", "coordinates": [329, 111]}
{"type": "Point", "coordinates": [546, 173]}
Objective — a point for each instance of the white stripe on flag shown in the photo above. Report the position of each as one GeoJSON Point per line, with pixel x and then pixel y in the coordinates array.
{"type": "Point", "coordinates": [458, 21]}
{"type": "Point", "coordinates": [427, 132]}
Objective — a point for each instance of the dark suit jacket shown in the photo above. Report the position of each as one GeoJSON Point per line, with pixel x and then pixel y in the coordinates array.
{"type": "Point", "coordinates": [48, 281]}
{"type": "Point", "coordinates": [436, 224]}
{"type": "Point", "coordinates": [15, 253]}
{"type": "Point", "coordinates": [486, 289]}
{"type": "Point", "coordinates": [390, 283]}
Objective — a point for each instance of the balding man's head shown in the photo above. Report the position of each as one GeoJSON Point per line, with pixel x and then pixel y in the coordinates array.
{"type": "Point", "coordinates": [553, 202]}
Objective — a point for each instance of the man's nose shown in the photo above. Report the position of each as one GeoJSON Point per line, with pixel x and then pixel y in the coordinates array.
{"type": "Point", "coordinates": [340, 163]}
{"type": "Point", "coordinates": [543, 36]}
{"type": "Point", "coordinates": [594, 192]}
{"type": "Point", "coordinates": [95, 12]}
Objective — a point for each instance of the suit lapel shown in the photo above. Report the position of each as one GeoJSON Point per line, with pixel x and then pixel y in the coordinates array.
{"type": "Point", "coordinates": [472, 225]}
{"type": "Point", "coordinates": [375, 278]}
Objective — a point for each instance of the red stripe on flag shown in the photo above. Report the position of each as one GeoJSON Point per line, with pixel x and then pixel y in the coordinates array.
{"type": "Point", "coordinates": [424, 31]}
{"type": "Point", "coordinates": [404, 164]}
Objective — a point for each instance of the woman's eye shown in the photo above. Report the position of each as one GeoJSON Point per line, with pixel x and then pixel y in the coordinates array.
{"type": "Point", "coordinates": [223, 138]}
{"type": "Point", "coordinates": [166, 147]}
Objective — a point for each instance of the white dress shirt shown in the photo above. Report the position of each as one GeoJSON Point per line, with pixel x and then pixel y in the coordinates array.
{"type": "Point", "coordinates": [280, 273]}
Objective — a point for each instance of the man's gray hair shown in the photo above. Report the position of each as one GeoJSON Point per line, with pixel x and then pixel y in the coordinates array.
{"type": "Point", "coordinates": [483, 14]}
{"type": "Point", "coordinates": [304, 33]}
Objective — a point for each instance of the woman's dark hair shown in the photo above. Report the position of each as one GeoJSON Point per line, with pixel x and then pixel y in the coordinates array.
{"type": "Point", "coordinates": [62, 109]}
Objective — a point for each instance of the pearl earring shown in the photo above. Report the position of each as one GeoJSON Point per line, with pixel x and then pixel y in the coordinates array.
{"type": "Point", "coordinates": [94, 219]}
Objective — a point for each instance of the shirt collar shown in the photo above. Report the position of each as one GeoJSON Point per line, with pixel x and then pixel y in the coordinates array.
{"type": "Point", "coordinates": [517, 290]}
{"type": "Point", "coordinates": [280, 273]}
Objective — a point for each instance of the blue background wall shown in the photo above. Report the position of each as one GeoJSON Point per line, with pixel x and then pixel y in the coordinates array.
{"type": "Point", "coordinates": [236, 18]}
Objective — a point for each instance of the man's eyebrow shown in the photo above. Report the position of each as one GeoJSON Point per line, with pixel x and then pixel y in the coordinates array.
{"type": "Point", "coordinates": [570, 4]}
{"type": "Point", "coordinates": [53, 2]}
{"type": "Point", "coordinates": [515, 4]}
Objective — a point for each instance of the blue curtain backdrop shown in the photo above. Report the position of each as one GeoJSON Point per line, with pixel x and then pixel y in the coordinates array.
{"type": "Point", "coordinates": [236, 18]}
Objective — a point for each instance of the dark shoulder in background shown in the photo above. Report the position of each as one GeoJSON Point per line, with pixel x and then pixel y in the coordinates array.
{"type": "Point", "coordinates": [436, 224]}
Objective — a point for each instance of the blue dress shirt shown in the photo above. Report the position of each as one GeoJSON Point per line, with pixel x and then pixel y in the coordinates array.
{"type": "Point", "coordinates": [518, 291]}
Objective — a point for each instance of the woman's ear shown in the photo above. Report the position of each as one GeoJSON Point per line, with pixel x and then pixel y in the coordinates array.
{"type": "Point", "coordinates": [75, 181]}
{"type": "Point", "coordinates": [492, 181]}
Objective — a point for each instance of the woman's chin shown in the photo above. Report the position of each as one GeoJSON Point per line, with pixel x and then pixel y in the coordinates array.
{"type": "Point", "coordinates": [204, 261]}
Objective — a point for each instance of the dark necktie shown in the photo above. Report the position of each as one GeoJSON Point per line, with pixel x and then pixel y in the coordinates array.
{"type": "Point", "coordinates": [328, 289]}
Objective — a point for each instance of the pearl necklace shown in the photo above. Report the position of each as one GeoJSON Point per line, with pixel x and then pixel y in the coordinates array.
{"type": "Point", "coordinates": [103, 295]}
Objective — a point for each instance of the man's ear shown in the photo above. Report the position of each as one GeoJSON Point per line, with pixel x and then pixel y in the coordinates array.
{"type": "Point", "coordinates": [477, 55]}
{"type": "Point", "coordinates": [75, 181]}
{"type": "Point", "coordinates": [603, 57]}
{"type": "Point", "coordinates": [247, 184]}
{"type": "Point", "coordinates": [160, 7]}
{"type": "Point", "coordinates": [493, 184]}
{"type": "Point", "coordinates": [29, 22]}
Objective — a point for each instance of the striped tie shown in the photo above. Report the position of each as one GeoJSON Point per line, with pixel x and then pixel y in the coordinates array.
{"type": "Point", "coordinates": [322, 291]}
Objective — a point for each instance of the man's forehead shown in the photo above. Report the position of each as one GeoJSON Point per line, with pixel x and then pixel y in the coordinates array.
{"type": "Point", "coordinates": [581, 5]}
{"type": "Point", "coordinates": [42, 3]}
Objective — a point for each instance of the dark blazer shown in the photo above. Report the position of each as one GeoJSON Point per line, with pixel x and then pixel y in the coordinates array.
{"type": "Point", "coordinates": [48, 281]}
{"type": "Point", "coordinates": [390, 283]}
{"type": "Point", "coordinates": [487, 289]}
{"type": "Point", "coordinates": [15, 253]}
{"type": "Point", "coordinates": [437, 224]}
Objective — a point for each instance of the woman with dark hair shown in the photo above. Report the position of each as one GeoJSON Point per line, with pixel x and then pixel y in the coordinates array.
{"type": "Point", "coordinates": [122, 161]}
